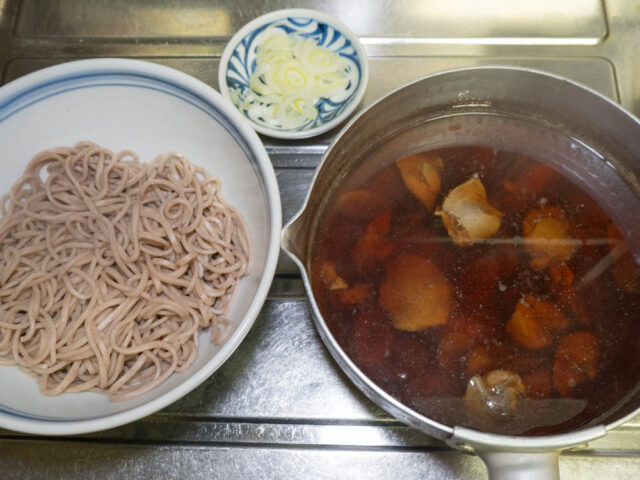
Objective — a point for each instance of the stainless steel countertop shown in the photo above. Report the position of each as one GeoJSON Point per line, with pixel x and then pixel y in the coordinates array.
{"type": "Point", "coordinates": [280, 407]}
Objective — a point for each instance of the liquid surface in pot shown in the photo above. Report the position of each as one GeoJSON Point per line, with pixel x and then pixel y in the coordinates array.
{"type": "Point", "coordinates": [481, 288]}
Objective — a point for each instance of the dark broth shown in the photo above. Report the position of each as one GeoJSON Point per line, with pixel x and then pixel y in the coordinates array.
{"type": "Point", "coordinates": [429, 370]}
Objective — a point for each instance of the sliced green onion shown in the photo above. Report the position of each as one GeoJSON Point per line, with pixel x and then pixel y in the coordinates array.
{"type": "Point", "coordinates": [292, 74]}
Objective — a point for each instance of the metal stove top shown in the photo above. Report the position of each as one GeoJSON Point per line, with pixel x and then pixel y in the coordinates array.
{"type": "Point", "coordinates": [280, 407]}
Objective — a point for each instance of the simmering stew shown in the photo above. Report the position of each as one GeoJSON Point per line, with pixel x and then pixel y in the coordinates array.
{"type": "Point", "coordinates": [481, 288]}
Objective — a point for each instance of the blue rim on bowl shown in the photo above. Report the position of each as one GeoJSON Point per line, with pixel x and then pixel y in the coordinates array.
{"type": "Point", "coordinates": [238, 63]}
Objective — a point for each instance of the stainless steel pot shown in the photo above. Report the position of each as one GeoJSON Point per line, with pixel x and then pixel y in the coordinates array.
{"type": "Point", "coordinates": [544, 112]}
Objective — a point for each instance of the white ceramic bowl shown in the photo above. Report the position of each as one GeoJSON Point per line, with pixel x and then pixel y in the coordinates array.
{"type": "Point", "coordinates": [239, 62]}
{"type": "Point", "coordinates": [150, 109]}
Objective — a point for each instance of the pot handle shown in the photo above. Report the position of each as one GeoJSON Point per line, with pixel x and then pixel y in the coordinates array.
{"type": "Point", "coordinates": [521, 466]}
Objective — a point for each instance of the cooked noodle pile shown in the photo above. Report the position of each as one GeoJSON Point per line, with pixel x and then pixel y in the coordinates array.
{"type": "Point", "coordinates": [109, 269]}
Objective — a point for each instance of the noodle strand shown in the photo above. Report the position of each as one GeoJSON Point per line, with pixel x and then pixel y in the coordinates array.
{"type": "Point", "coordinates": [110, 268]}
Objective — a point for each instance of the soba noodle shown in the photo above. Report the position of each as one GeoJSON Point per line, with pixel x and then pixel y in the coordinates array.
{"type": "Point", "coordinates": [110, 268]}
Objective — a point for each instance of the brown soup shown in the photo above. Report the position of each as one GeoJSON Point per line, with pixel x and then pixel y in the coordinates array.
{"type": "Point", "coordinates": [481, 288]}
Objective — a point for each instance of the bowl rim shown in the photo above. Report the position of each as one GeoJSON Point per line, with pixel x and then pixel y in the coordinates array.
{"type": "Point", "coordinates": [296, 12]}
{"type": "Point", "coordinates": [107, 66]}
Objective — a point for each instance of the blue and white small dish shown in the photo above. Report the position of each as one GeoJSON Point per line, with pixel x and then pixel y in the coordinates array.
{"type": "Point", "coordinates": [238, 64]}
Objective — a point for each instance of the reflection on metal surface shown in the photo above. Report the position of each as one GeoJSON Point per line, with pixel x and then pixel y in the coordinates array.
{"type": "Point", "coordinates": [283, 371]}
{"type": "Point", "coordinates": [574, 22]}
{"type": "Point", "coordinates": [108, 461]}
{"type": "Point", "coordinates": [87, 459]}
{"type": "Point", "coordinates": [123, 18]}
{"type": "Point", "coordinates": [501, 22]}
{"type": "Point", "coordinates": [596, 73]}
{"type": "Point", "coordinates": [280, 407]}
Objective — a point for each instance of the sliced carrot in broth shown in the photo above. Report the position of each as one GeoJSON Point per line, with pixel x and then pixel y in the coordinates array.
{"type": "Point", "coordinates": [535, 321]}
{"type": "Point", "coordinates": [520, 182]}
{"type": "Point", "coordinates": [561, 275]}
{"type": "Point", "coordinates": [549, 315]}
{"type": "Point", "coordinates": [479, 361]}
{"type": "Point", "coordinates": [561, 282]}
{"type": "Point", "coordinates": [362, 204]}
{"type": "Point", "coordinates": [356, 294]}
{"type": "Point", "coordinates": [576, 361]}
{"type": "Point", "coordinates": [329, 277]}
{"type": "Point", "coordinates": [372, 247]}
{"type": "Point", "coordinates": [547, 237]}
